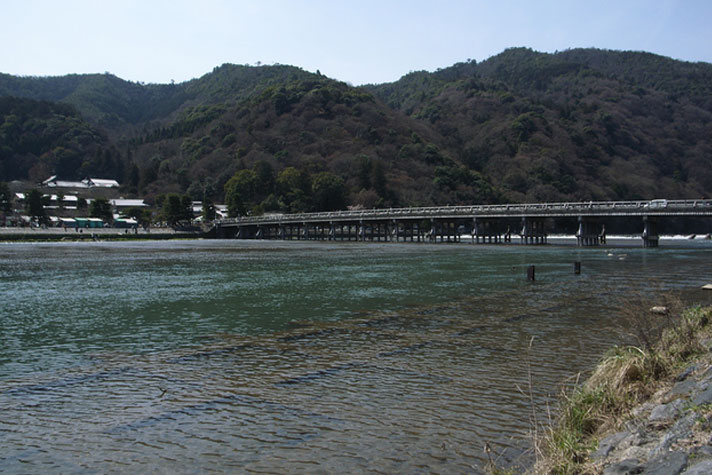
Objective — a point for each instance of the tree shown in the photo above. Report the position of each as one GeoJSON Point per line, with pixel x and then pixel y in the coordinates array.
{"type": "Point", "coordinates": [142, 215]}
{"type": "Point", "coordinates": [364, 172]}
{"type": "Point", "coordinates": [328, 192]}
{"type": "Point", "coordinates": [177, 208]}
{"type": "Point", "coordinates": [378, 178]}
{"type": "Point", "coordinates": [101, 208]}
{"type": "Point", "coordinates": [208, 209]}
{"type": "Point", "coordinates": [133, 177]}
{"type": "Point", "coordinates": [293, 189]}
{"type": "Point", "coordinates": [5, 199]}
{"type": "Point", "coordinates": [34, 205]}
{"type": "Point", "coordinates": [240, 190]}
{"type": "Point", "coordinates": [186, 205]}
{"type": "Point", "coordinates": [265, 177]}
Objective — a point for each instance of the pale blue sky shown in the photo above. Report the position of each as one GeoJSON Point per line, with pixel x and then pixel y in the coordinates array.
{"type": "Point", "coordinates": [366, 41]}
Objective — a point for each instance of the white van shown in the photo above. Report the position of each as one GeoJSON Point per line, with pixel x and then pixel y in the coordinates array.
{"type": "Point", "coordinates": [658, 204]}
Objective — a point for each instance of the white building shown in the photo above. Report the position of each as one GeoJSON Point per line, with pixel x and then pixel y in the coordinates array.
{"type": "Point", "coordinates": [100, 183]}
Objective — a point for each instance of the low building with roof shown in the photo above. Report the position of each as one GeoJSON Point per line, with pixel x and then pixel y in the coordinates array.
{"type": "Point", "coordinates": [54, 182]}
{"type": "Point", "coordinates": [101, 183]}
{"type": "Point", "coordinates": [124, 203]}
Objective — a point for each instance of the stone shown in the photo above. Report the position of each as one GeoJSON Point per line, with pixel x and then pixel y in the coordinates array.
{"type": "Point", "coordinates": [670, 463]}
{"type": "Point", "coordinates": [665, 412]}
{"type": "Point", "coordinates": [606, 445]}
{"type": "Point", "coordinates": [684, 388]}
{"type": "Point", "coordinates": [700, 468]}
{"type": "Point", "coordinates": [707, 375]}
{"type": "Point", "coordinates": [688, 371]}
{"type": "Point", "coordinates": [704, 451]}
{"type": "Point", "coordinates": [681, 430]}
{"type": "Point", "coordinates": [705, 397]}
{"type": "Point", "coordinates": [624, 467]}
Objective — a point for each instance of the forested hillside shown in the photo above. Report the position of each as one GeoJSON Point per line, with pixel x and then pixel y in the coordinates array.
{"type": "Point", "coordinates": [41, 138]}
{"type": "Point", "coordinates": [582, 124]}
{"type": "Point", "coordinates": [520, 126]}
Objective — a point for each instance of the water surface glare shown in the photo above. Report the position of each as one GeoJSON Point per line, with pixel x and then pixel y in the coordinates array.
{"type": "Point", "coordinates": [214, 356]}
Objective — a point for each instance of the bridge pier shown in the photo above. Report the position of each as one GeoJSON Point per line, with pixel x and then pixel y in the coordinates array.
{"type": "Point", "coordinates": [533, 231]}
{"type": "Point", "coordinates": [488, 229]}
{"type": "Point", "coordinates": [650, 232]}
{"type": "Point", "coordinates": [587, 234]}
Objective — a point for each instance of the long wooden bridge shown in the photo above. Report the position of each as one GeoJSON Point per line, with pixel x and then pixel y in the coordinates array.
{"type": "Point", "coordinates": [486, 223]}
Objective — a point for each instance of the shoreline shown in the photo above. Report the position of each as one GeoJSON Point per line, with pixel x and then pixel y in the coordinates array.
{"type": "Point", "coordinates": [113, 234]}
{"type": "Point", "coordinates": [89, 234]}
{"type": "Point", "coordinates": [644, 408]}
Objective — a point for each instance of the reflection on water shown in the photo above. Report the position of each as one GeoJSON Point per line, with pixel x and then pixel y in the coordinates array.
{"type": "Point", "coordinates": [223, 356]}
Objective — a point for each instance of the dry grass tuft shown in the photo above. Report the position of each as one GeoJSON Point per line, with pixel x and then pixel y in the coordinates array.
{"type": "Point", "coordinates": [626, 377]}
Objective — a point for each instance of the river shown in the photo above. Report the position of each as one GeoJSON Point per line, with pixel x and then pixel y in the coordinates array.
{"type": "Point", "coordinates": [246, 356]}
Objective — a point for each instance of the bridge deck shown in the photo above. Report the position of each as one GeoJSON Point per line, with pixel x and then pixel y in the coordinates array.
{"type": "Point", "coordinates": [669, 208]}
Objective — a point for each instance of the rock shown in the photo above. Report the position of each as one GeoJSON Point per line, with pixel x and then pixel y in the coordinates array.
{"type": "Point", "coordinates": [707, 375]}
{"type": "Point", "coordinates": [659, 310]}
{"type": "Point", "coordinates": [705, 397]}
{"type": "Point", "coordinates": [704, 451]}
{"type": "Point", "coordinates": [634, 452]}
{"type": "Point", "coordinates": [688, 371]}
{"type": "Point", "coordinates": [624, 467]}
{"type": "Point", "coordinates": [684, 388]}
{"type": "Point", "coordinates": [642, 409]}
{"type": "Point", "coordinates": [670, 463]}
{"type": "Point", "coordinates": [665, 412]}
{"type": "Point", "coordinates": [681, 430]}
{"type": "Point", "coordinates": [700, 468]}
{"type": "Point", "coordinates": [609, 443]}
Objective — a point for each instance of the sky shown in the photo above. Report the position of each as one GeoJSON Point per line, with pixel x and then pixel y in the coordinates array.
{"type": "Point", "coordinates": [359, 42]}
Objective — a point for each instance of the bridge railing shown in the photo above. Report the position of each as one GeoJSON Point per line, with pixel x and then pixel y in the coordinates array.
{"type": "Point", "coordinates": [529, 209]}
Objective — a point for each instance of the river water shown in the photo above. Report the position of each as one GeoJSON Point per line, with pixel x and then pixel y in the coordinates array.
{"type": "Point", "coordinates": [239, 356]}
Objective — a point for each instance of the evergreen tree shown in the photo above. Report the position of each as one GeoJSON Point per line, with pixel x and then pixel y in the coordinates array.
{"type": "Point", "coordinates": [35, 207]}
{"type": "Point", "coordinates": [5, 199]}
{"type": "Point", "coordinates": [101, 208]}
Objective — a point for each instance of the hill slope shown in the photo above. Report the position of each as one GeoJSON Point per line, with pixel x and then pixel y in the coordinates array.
{"type": "Point", "coordinates": [583, 124]}
{"type": "Point", "coordinates": [521, 126]}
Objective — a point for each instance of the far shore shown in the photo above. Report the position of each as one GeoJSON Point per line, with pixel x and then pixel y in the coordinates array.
{"type": "Point", "coordinates": [71, 234]}
{"type": "Point", "coordinates": [27, 234]}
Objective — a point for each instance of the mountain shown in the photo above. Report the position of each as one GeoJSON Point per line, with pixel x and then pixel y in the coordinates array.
{"type": "Point", "coordinates": [42, 138]}
{"type": "Point", "coordinates": [582, 124]}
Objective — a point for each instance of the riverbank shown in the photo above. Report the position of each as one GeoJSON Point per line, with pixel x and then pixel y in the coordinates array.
{"type": "Point", "coordinates": [93, 234]}
{"type": "Point", "coordinates": [646, 408]}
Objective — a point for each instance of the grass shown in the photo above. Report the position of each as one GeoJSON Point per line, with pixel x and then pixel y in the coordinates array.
{"type": "Point", "coordinates": [626, 377]}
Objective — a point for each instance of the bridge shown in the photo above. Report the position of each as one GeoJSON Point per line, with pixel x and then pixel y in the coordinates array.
{"type": "Point", "coordinates": [486, 223]}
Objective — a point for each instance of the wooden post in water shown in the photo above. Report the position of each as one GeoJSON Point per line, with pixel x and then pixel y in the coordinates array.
{"type": "Point", "coordinates": [531, 273]}
{"type": "Point", "coordinates": [577, 267]}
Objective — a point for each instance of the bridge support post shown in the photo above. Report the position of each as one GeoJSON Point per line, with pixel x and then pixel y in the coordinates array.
{"type": "Point", "coordinates": [533, 231]}
{"type": "Point", "coordinates": [650, 232]}
{"type": "Point", "coordinates": [587, 234]}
